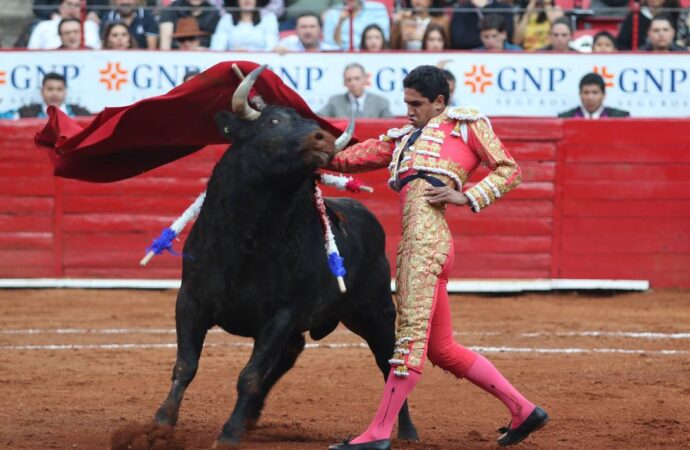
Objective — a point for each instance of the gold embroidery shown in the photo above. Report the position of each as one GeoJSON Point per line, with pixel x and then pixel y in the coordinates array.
{"type": "Point", "coordinates": [422, 252]}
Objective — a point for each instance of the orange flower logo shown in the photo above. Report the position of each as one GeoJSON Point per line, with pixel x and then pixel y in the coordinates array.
{"type": "Point", "coordinates": [604, 72]}
{"type": "Point", "coordinates": [2, 77]}
{"type": "Point", "coordinates": [113, 76]}
{"type": "Point", "coordinates": [478, 78]}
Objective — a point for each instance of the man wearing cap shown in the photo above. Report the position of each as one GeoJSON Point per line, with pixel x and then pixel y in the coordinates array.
{"type": "Point", "coordinates": [206, 16]}
{"type": "Point", "coordinates": [187, 34]}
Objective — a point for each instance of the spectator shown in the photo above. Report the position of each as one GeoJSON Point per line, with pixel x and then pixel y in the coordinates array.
{"type": "Point", "coordinates": [532, 27]}
{"type": "Point", "coordinates": [187, 34]}
{"type": "Point", "coordinates": [69, 31]}
{"type": "Point", "coordinates": [435, 38]}
{"type": "Point", "coordinates": [189, 74]}
{"type": "Point", "coordinates": [295, 8]}
{"type": "Point", "coordinates": [142, 26]}
{"type": "Point", "coordinates": [603, 42]}
{"type": "Point", "coordinates": [464, 26]}
{"type": "Point", "coordinates": [45, 35]}
{"type": "Point", "coordinates": [206, 16]}
{"type": "Point", "coordinates": [117, 37]}
{"type": "Point", "coordinates": [592, 94]}
{"type": "Point", "coordinates": [53, 92]}
{"type": "Point", "coordinates": [650, 8]}
{"type": "Point", "coordinates": [336, 23]}
{"type": "Point", "coordinates": [660, 36]}
{"type": "Point", "coordinates": [451, 87]}
{"type": "Point", "coordinates": [48, 9]}
{"type": "Point", "coordinates": [364, 103]}
{"type": "Point", "coordinates": [373, 39]}
{"type": "Point", "coordinates": [682, 38]}
{"type": "Point", "coordinates": [307, 37]}
{"type": "Point", "coordinates": [409, 25]}
{"type": "Point", "coordinates": [492, 32]}
{"type": "Point", "coordinates": [246, 28]}
{"type": "Point", "coordinates": [560, 36]}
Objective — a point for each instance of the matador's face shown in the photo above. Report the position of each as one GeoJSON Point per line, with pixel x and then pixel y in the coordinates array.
{"type": "Point", "coordinates": [420, 109]}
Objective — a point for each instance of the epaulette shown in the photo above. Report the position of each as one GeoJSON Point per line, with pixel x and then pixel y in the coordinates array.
{"type": "Point", "coordinates": [396, 133]}
{"type": "Point", "coordinates": [468, 114]}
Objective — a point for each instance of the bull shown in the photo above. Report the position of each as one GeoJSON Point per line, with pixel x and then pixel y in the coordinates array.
{"type": "Point", "coordinates": [258, 267]}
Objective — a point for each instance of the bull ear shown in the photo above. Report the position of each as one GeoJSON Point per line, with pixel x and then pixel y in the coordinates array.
{"type": "Point", "coordinates": [225, 121]}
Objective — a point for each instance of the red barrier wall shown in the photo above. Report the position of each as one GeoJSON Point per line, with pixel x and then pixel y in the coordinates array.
{"type": "Point", "coordinates": [600, 199]}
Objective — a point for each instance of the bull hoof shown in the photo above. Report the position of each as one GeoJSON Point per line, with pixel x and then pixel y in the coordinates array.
{"type": "Point", "coordinates": [167, 414]}
{"type": "Point", "coordinates": [251, 424]}
{"type": "Point", "coordinates": [408, 435]}
{"type": "Point", "coordinates": [226, 444]}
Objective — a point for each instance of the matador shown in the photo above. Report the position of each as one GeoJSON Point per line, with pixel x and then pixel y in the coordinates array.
{"type": "Point", "coordinates": [430, 161]}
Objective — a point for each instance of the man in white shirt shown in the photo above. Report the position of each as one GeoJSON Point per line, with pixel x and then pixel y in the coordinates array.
{"type": "Point", "coordinates": [365, 104]}
{"type": "Point", "coordinates": [45, 35]}
{"type": "Point", "coordinates": [307, 37]}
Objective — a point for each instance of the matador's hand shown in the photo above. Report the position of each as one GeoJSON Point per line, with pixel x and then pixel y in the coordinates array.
{"type": "Point", "coordinates": [440, 195]}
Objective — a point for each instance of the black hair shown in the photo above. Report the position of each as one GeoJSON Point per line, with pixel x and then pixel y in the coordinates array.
{"type": "Point", "coordinates": [53, 76]}
{"type": "Point", "coordinates": [309, 14]}
{"type": "Point", "coordinates": [373, 26]}
{"type": "Point", "coordinates": [190, 73]}
{"type": "Point", "coordinates": [449, 75]}
{"type": "Point", "coordinates": [493, 22]}
{"type": "Point", "coordinates": [604, 34]}
{"type": "Point", "coordinates": [64, 21]}
{"type": "Point", "coordinates": [563, 21]}
{"type": "Point", "coordinates": [236, 14]}
{"type": "Point", "coordinates": [663, 16]}
{"type": "Point", "coordinates": [436, 7]}
{"type": "Point", "coordinates": [593, 78]}
{"type": "Point", "coordinates": [429, 81]}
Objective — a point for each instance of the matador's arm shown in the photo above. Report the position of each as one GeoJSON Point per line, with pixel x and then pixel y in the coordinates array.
{"type": "Point", "coordinates": [505, 173]}
{"type": "Point", "coordinates": [369, 155]}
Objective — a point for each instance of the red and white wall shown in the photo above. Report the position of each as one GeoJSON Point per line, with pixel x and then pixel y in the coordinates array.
{"type": "Point", "coordinates": [605, 199]}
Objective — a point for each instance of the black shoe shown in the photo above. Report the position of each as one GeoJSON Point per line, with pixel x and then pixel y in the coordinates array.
{"type": "Point", "coordinates": [381, 444]}
{"type": "Point", "coordinates": [536, 420]}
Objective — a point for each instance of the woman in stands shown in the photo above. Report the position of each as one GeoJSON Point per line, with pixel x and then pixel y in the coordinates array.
{"type": "Point", "coordinates": [246, 27]}
{"type": "Point", "coordinates": [117, 37]}
{"type": "Point", "coordinates": [603, 42]}
{"type": "Point", "coordinates": [650, 8]}
{"type": "Point", "coordinates": [410, 23]}
{"type": "Point", "coordinates": [435, 38]}
{"type": "Point", "coordinates": [532, 27]}
{"type": "Point", "coordinates": [373, 39]}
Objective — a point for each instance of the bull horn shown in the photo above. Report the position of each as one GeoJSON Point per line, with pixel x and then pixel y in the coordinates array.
{"type": "Point", "coordinates": [240, 106]}
{"type": "Point", "coordinates": [344, 138]}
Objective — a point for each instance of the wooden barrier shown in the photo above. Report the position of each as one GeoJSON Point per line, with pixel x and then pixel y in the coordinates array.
{"type": "Point", "coordinates": [600, 199]}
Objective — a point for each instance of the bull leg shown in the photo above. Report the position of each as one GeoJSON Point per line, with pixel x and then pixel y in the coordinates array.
{"type": "Point", "coordinates": [380, 337]}
{"type": "Point", "coordinates": [191, 332]}
{"type": "Point", "coordinates": [287, 360]}
{"type": "Point", "coordinates": [268, 348]}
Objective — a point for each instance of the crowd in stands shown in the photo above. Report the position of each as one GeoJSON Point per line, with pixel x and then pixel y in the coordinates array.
{"type": "Point", "coordinates": [371, 25]}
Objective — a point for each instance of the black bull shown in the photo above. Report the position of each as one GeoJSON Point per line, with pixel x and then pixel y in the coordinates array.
{"type": "Point", "coordinates": [258, 266]}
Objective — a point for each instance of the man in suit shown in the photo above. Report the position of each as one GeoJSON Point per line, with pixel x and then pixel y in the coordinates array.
{"type": "Point", "coordinates": [364, 103]}
{"type": "Point", "coordinates": [53, 92]}
{"type": "Point", "coordinates": [592, 94]}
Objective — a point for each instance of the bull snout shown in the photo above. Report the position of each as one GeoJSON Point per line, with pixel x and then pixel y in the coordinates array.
{"type": "Point", "coordinates": [318, 148]}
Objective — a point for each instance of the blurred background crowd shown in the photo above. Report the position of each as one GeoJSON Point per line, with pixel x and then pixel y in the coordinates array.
{"type": "Point", "coordinates": [355, 25]}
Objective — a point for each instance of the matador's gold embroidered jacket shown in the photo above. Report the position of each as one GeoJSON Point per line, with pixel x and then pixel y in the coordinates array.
{"type": "Point", "coordinates": [454, 144]}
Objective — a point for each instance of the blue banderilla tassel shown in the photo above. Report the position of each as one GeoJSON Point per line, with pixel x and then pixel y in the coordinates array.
{"type": "Point", "coordinates": [335, 263]}
{"type": "Point", "coordinates": [163, 242]}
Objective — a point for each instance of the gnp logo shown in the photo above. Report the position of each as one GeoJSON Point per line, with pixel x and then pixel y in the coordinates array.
{"type": "Point", "coordinates": [515, 79]}
{"type": "Point", "coordinates": [113, 76]}
{"type": "Point", "coordinates": [606, 75]}
{"type": "Point", "coordinates": [478, 78]}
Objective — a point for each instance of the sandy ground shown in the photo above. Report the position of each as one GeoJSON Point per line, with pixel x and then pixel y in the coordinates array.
{"type": "Point", "coordinates": [612, 371]}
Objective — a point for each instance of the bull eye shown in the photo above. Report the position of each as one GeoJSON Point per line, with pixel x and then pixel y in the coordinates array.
{"type": "Point", "coordinates": [274, 121]}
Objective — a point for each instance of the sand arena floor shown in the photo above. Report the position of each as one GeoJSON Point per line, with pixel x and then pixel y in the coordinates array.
{"type": "Point", "coordinates": [612, 371]}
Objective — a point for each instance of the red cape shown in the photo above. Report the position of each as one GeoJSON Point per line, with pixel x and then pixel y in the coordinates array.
{"type": "Point", "coordinates": [126, 141]}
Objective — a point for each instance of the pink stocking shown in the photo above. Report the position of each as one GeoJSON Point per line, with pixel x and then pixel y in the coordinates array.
{"type": "Point", "coordinates": [396, 391]}
{"type": "Point", "coordinates": [486, 376]}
